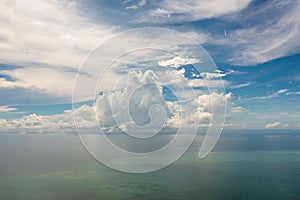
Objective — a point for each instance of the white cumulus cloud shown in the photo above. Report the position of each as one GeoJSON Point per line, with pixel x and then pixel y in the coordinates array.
{"type": "Point", "coordinates": [6, 109]}
{"type": "Point", "coordinates": [276, 125]}
{"type": "Point", "coordinates": [178, 61]}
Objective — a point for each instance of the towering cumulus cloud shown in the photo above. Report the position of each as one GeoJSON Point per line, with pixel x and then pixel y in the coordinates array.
{"type": "Point", "coordinates": [133, 104]}
{"type": "Point", "coordinates": [142, 101]}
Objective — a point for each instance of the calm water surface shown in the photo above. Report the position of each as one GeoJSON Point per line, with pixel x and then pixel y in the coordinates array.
{"type": "Point", "coordinates": [250, 165]}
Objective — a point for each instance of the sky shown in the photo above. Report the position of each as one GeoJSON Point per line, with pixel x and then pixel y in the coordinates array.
{"type": "Point", "coordinates": [48, 45]}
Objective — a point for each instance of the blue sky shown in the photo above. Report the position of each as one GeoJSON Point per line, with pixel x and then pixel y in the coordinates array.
{"type": "Point", "coordinates": [254, 43]}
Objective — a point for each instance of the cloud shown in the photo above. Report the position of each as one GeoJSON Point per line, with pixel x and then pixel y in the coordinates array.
{"type": "Point", "coordinates": [187, 10]}
{"type": "Point", "coordinates": [276, 94]}
{"type": "Point", "coordinates": [242, 85]}
{"type": "Point", "coordinates": [51, 123]}
{"type": "Point", "coordinates": [160, 13]}
{"type": "Point", "coordinates": [200, 37]}
{"type": "Point", "coordinates": [285, 125]}
{"type": "Point", "coordinates": [49, 41]}
{"type": "Point", "coordinates": [273, 125]}
{"type": "Point", "coordinates": [4, 124]}
{"type": "Point", "coordinates": [271, 32]}
{"type": "Point", "coordinates": [140, 4]}
{"type": "Point", "coordinates": [141, 91]}
{"type": "Point", "coordinates": [237, 109]}
{"type": "Point", "coordinates": [43, 33]}
{"type": "Point", "coordinates": [292, 93]}
{"type": "Point", "coordinates": [52, 81]}
{"type": "Point", "coordinates": [50, 49]}
{"type": "Point", "coordinates": [4, 83]}
{"type": "Point", "coordinates": [218, 83]}
{"type": "Point", "coordinates": [276, 125]}
{"type": "Point", "coordinates": [178, 61]}
{"type": "Point", "coordinates": [210, 75]}
{"type": "Point", "coordinates": [266, 30]}
{"type": "Point", "coordinates": [6, 109]}
{"type": "Point", "coordinates": [139, 103]}
{"type": "Point", "coordinates": [271, 96]}
{"type": "Point", "coordinates": [57, 79]}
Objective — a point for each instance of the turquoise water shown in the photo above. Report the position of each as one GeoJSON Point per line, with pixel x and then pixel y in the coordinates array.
{"type": "Point", "coordinates": [248, 166]}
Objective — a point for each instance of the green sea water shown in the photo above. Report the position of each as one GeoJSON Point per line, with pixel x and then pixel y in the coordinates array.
{"type": "Point", "coordinates": [251, 166]}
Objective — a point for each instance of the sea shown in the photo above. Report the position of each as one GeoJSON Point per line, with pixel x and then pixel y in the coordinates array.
{"type": "Point", "coordinates": [244, 165]}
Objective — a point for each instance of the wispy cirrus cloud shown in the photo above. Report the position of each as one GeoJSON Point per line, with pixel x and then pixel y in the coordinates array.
{"type": "Point", "coordinates": [242, 85]}
{"type": "Point", "coordinates": [275, 94]}
{"type": "Point", "coordinates": [271, 96]}
{"type": "Point", "coordinates": [275, 36]}
{"type": "Point", "coordinates": [187, 10]}
{"type": "Point", "coordinates": [140, 4]}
